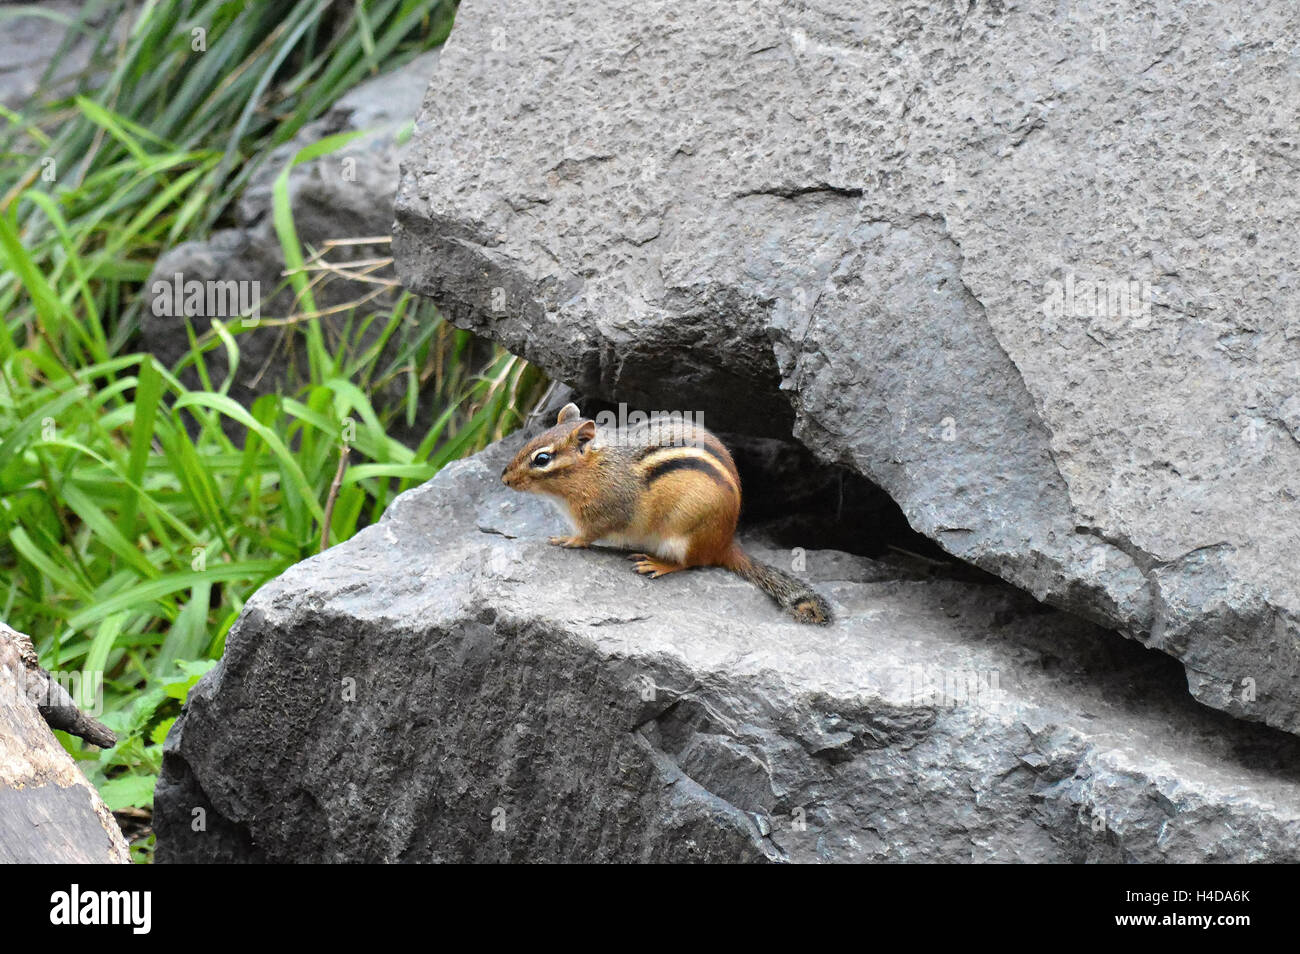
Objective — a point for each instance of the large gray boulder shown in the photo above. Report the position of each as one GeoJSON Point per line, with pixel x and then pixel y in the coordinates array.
{"type": "Point", "coordinates": [445, 686]}
{"type": "Point", "coordinates": [1030, 268]}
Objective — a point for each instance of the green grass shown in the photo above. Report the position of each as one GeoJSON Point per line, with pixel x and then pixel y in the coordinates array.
{"type": "Point", "coordinates": [138, 513]}
{"type": "Point", "coordinates": [159, 139]}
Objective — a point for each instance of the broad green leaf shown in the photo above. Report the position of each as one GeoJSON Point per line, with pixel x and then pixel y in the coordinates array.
{"type": "Point", "coordinates": [128, 791]}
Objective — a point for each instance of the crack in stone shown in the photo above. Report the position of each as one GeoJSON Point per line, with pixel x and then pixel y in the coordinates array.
{"type": "Point", "coordinates": [798, 192]}
{"type": "Point", "coordinates": [674, 774]}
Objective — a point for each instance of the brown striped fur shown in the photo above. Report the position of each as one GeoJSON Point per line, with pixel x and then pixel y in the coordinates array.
{"type": "Point", "coordinates": [669, 489]}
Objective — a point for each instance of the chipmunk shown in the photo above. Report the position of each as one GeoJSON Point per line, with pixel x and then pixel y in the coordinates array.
{"type": "Point", "coordinates": [667, 487]}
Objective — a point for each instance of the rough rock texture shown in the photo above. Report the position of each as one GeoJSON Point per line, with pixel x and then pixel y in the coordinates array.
{"type": "Point", "coordinates": [346, 194]}
{"type": "Point", "coordinates": [875, 225]}
{"type": "Point", "coordinates": [49, 812]}
{"type": "Point", "coordinates": [447, 687]}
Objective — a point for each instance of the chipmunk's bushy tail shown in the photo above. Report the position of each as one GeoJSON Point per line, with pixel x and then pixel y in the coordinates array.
{"type": "Point", "coordinates": [792, 593]}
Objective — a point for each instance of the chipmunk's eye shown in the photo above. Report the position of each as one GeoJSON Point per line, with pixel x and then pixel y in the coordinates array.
{"type": "Point", "coordinates": [541, 459]}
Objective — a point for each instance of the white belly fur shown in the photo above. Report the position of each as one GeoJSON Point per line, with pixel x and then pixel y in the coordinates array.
{"type": "Point", "coordinates": [562, 508]}
{"type": "Point", "coordinates": [669, 549]}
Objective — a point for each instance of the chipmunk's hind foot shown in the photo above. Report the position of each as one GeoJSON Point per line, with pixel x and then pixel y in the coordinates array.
{"type": "Point", "coordinates": [648, 566]}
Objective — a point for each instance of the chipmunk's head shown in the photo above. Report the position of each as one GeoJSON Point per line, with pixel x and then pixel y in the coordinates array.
{"type": "Point", "coordinates": [552, 461]}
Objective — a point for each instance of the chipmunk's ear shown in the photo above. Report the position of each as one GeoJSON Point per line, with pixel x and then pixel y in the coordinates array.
{"type": "Point", "coordinates": [568, 413]}
{"type": "Point", "coordinates": [583, 435]}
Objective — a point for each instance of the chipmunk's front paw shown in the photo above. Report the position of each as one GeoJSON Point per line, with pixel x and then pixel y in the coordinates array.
{"type": "Point", "coordinates": [571, 543]}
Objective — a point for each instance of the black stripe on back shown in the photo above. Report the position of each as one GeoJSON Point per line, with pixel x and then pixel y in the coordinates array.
{"type": "Point", "coordinates": [666, 467]}
{"type": "Point", "coordinates": [715, 447]}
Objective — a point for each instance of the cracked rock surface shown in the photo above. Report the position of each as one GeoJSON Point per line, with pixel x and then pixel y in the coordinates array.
{"type": "Point", "coordinates": [445, 686]}
{"type": "Point", "coordinates": [1029, 268]}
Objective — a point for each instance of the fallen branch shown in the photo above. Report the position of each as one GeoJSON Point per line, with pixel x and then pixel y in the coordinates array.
{"type": "Point", "coordinates": [56, 706]}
